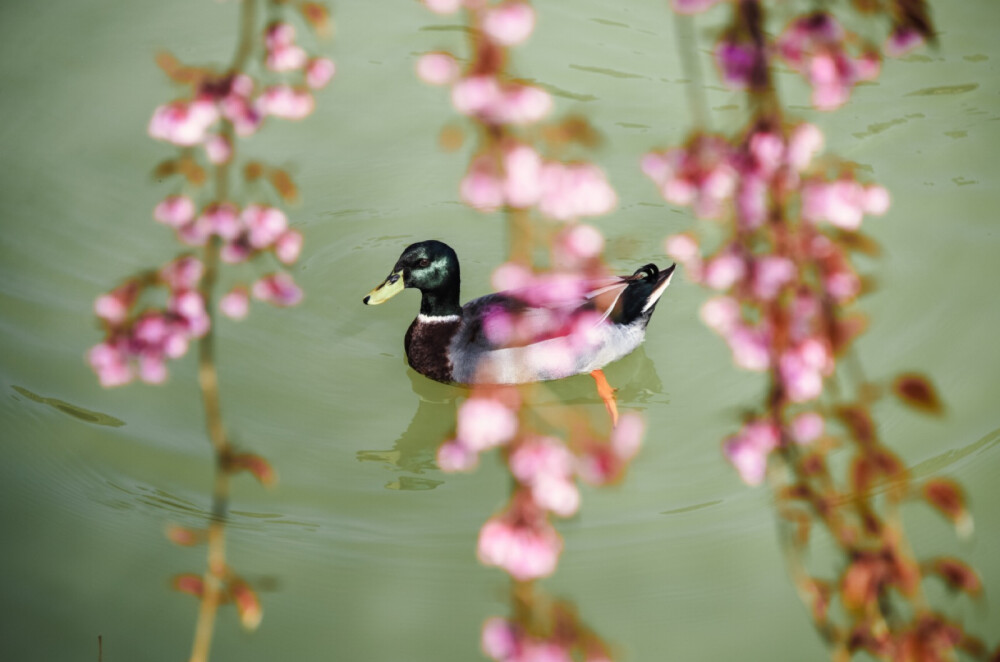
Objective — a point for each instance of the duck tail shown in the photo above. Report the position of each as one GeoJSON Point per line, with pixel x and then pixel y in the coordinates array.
{"type": "Point", "coordinates": [645, 287]}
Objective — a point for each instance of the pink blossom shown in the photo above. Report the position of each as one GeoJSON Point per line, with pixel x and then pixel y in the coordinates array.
{"type": "Point", "coordinates": [770, 274]}
{"type": "Point", "coordinates": [113, 307]}
{"type": "Point", "coordinates": [454, 456]}
{"type": "Point", "coordinates": [558, 495]}
{"type": "Point", "coordinates": [748, 450]}
{"type": "Point", "coordinates": [519, 104]}
{"type": "Point", "coordinates": [751, 347]}
{"type": "Point", "coordinates": [511, 276]}
{"type": "Point", "coordinates": [288, 246]}
{"type": "Point", "coordinates": [736, 62]}
{"type": "Point", "coordinates": [482, 187]}
{"type": "Point", "coordinates": [903, 40]}
{"type": "Point", "coordinates": [235, 304]}
{"type": "Point", "coordinates": [184, 273]}
{"type": "Point", "coordinates": [842, 285]}
{"type": "Point", "coordinates": [218, 149]}
{"type": "Point", "coordinates": [484, 423]}
{"type": "Point", "coordinates": [265, 224]}
{"type": "Point", "coordinates": [286, 102]}
{"type": "Point", "coordinates": [814, 46]}
{"type": "Point", "coordinates": [684, 249]}
{"type": "Point", "coordinates": [841, 202]}
{"type": "Point", "coordinates": [175, 211]}
{"type": "Point", "coordinates": [152, 368]}
{"type": "Point", "coordinates": [876, 200]}
{"type": "Point", "coordinates": [286, 58]}
{"type": "Point", "coordinates": [692, 6]}
{"type": "Point", "coordinates": [437, 68]}
{"type": "Point", "coordinates": [152, 330]}
{"type": "Point", "coordinates": [443, 6]}
{"type": "Point", "coordinates": [500, 639]}
{"type": "Point", "coordinates": [721, 314]}
{"type": "Point", "coordinates": [540, 457]}
{"type": "Point", "coordinates": [475, 95]}
{"type": "Point", "coordinates": [806, 140]}
{"type": "Point", "coordinates": [236, 251]}
{"type": "Point", "coordinates": [183, 123]}
{"type": "Point", "coordinates": [807, 427]}
{"type": "Point", "coordinates": [768, 152]}
{"type": "Point", "coordinates": [278, 35]}
{"type": "Point", "coordinates": [319, 72]}
{"type": "Point", "coordinates": [522, 185]}
{"type": "Point", "coordinates": [701, 175]}
{"type": "Point", "coordinates": [579, 244]}
{"type": "Point", "coordinates": [278, 289]}
{"type": "Point", "coordinates": [802, 369]}
{"type": "Point", "coordinates": [222, 219]}
{"type": "Point", "coordinates": [525, 550]}
{"type": "Point", "coordinates": [626, 438]}
{"type": "Point", "coordinates": [725, 270]}
{"type": "Point", "coordinates": [190, 307]}
{"type": "Point", "coordinates": [574, 190]}
{"type": "Point", "coordinates": [509, 23]}
{"type": "Point", "coordinates": [752, 200]}
{"type": "Point", "coordinates": [195, 233]}
{"type": "Point", "coordinates": [110, 364]}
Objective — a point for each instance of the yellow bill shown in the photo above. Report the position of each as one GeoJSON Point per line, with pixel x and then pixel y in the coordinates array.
{"type": "Point", "coordinates": [392, 286]}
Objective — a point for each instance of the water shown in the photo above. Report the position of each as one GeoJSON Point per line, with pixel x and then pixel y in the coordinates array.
{"type": "Point", "coordinates": [364, 550]}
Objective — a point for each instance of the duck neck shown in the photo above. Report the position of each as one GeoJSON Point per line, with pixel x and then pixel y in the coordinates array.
{"type": "Point", "coordinates": [440, 302]}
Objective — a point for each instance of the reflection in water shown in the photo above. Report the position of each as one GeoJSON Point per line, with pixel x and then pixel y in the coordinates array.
{"type": "Point", "coordinates": [75, 411]}
{"type": "Point", "coordinates": [414, 450]}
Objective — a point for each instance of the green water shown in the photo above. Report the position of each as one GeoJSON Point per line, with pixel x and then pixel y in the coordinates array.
{"type": "Point", "coordinates": [365, 551]}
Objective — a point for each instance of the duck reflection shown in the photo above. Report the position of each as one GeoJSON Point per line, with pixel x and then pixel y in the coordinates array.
{"type": "Point", "coordinates": [437, 404]}
{"type": "Point", "coordinates": [414, 450]}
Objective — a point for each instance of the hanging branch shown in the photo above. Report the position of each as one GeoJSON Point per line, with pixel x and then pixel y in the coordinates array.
{"type": "Point", "coordinates": [787, 280]}
{"type": "Point", "coordinates": [141, 334]}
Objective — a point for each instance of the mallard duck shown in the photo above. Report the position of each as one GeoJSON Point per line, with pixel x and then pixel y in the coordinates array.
{"type": "Point", "coordinates": [448, 342]}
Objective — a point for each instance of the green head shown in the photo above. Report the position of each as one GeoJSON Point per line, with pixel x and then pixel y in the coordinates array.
{"type": "Point", "coordinates": [429, 266]}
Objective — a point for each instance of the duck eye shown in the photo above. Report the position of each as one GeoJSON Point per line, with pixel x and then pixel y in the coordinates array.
{"type": "Point", "coordinates": [424, 263]}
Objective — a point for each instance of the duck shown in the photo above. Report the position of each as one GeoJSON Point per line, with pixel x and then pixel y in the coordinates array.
{"type": "Point", "coordinates": [577, 332]}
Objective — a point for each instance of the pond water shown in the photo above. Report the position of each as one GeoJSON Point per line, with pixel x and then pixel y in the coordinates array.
{"type": "Point", "coordinates": [365, 551]}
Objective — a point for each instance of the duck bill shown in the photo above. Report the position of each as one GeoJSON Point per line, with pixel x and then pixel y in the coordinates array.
{"type": "Point", "coordinates": [392, 286]}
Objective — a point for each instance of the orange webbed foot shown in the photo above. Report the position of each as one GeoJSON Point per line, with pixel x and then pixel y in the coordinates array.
{"type": "Point", "coordinates": [607, 394]}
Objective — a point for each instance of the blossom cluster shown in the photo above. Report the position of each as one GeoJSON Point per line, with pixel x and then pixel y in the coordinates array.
{"type": "Point", "coordinates": [507, 172]}
{"type": "Point", "coordinates": [521, 539]}
{"type": "Point", "coordinates": [784, 280]}
{"type": "Point", "coordinates": [140, 340]}
{"type": "Point", "coordinates": [507, 641]}
{"type": "Point", "coordinates": [761, 176]}
{"type": "Point", "coordinates": [521, 178]}
{"type": "Point", "coordinates": [236, 99]}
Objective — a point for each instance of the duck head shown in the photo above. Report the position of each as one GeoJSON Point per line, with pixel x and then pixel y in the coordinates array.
{"type": "Point", "coordinates": [429, 266]}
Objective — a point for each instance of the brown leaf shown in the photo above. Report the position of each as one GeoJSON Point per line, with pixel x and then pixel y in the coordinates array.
{"type": "Point", "coordinates": [958, 575]}
{"type": "Point", "coordinates": [283, 184]}
{"type": "Point", "coordinates": [318, 17]}
{"type": "Point", "coordinates": [193, 172]}
{"type": "Point", "coordinates": [255, 464]}
{"type": "Point", "coordinates": [859, 242]}
{"type": "Point", "coordinates": [179, 72]}
{"type": "Point", "coordinates": [947, 497]}
{"type": "Point", "coordinates": [859, 423]}
{"type": "Point", "coordinates": [247, 603]}
{"type": "Point", "coordinates": [189, 583]}
{"type": "Point", "coordinates": [847, 330]}
{"type": "Point", "coordinates": [916, 390]}
{"type": "Point", "coordinates": [451, 138]}
{"type": "Point", "coordinates": [183, 536]}
{"type": "Point", "coordinates": [253, 170]}
{"type": "Point", "coordinates": [165, 169]}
